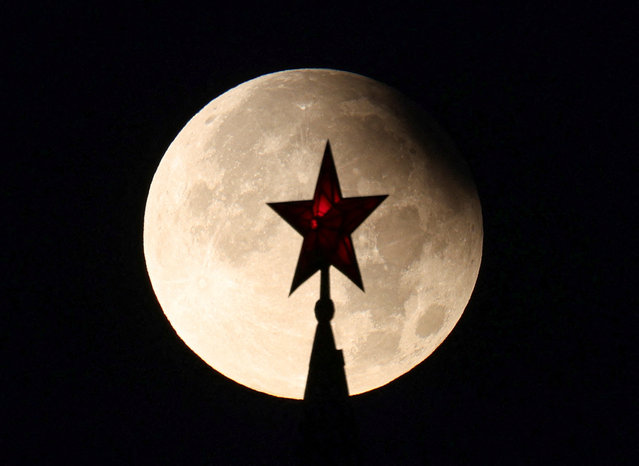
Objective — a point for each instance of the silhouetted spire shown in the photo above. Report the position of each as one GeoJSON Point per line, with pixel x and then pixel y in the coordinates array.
{"type": "Point", "coordinates": [326, 377]}
{"type": "Point", "coordinates": [328, 429]}
{"type": "Point", "coordinates": [326, 222]}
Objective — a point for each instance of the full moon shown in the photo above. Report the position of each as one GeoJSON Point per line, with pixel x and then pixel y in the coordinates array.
{"type": "Point", "coordinates": [221, 261]}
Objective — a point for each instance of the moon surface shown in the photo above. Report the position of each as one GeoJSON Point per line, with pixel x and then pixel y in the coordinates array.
{"type": "Point", "coordinates": [221, 261]}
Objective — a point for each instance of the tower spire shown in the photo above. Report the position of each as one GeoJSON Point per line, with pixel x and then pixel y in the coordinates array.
{"type": "Point", "coordinates": [326, 377]}
{"type": "Point", "coordinates": [328, 428]}
{"type": "Point", "coordinates": [326, 223]}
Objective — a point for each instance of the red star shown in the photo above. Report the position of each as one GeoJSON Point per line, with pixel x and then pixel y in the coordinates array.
{"type": "Point", "coordinates": [326, 223]}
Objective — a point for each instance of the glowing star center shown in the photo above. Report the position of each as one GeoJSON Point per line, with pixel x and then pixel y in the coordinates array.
{"type": "Point", "coordinates": [323, 206]}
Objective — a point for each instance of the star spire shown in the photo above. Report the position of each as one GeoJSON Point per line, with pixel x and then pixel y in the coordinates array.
{"type": "Point", "coordinates": [326, 223]}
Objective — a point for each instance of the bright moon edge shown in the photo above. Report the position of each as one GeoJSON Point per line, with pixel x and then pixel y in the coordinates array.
{"type": "Point", "coordinates": [419, 255]}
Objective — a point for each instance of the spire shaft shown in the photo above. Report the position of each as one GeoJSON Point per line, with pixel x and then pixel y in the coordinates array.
{"type": "Point", "coordinates": [325, 287]}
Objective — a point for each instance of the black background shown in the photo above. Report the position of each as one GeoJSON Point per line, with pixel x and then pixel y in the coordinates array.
{"type": "Point", "coordinates": [541, 100]}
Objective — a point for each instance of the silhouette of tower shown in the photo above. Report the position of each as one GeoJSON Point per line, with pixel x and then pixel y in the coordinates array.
{"type": "Point", "coordinates": [326, 223]}
{"type": "Point", "coordinates": [329, 431]}
{"type": "Point", "coordinates": [326, 376]}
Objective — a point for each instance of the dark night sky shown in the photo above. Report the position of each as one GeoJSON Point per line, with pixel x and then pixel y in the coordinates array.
{"type": "Point", "coordinates": [541, 100]}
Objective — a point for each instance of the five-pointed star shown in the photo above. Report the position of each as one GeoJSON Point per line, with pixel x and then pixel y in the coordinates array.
{"type": "Point", "coordinates": [326, 223]}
